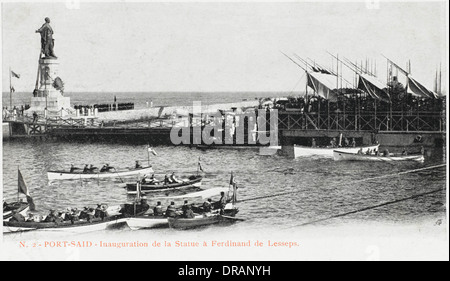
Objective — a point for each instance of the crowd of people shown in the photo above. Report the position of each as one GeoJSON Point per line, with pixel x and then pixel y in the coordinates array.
{"type": "Point", "coordinates": [362, 104]}
{"type": "Point", "coordinates": [16, 111]}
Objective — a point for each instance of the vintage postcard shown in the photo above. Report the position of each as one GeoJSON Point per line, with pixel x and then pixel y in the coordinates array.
{"type": "Point", "coordinates": [244, 131]}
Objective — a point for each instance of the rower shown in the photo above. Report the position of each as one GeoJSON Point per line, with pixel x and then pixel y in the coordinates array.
{"type": "Point", "coordinates": [207, 205]}
{"type": "Point", "coordinates": [73, 168]}
{"type": "Point", "coordinates": [188, 213]}
{"type": "Point", "coordinates": [173, 179]}
{"type": "Point", "coordinates": [158, 211]}
{"type": "Point", "coordinates": [313, 142]}
{"type": "Point", "coordinates": [51, 216]}
{"type": "Point", "coordinates": [144, 179]}
{"type": "Point", "coordinates": [138, 165]}
{"type": "Point", "coordinates": [166, 179]}
{"type": "Point", "coordinates": [16, 217]}
{"type": "Point", "coordinates": [360, 151]}
{"type": "Point", "coordinates": [30, 217]}
{"type": "Point", "coordinates": [171, 210]}
{"type": "Point", "coordinates": [86, 168]}
{"type": "Point", "coordinates": [106, 168]}
{"type": "Point", "coordinates": [92, 168]}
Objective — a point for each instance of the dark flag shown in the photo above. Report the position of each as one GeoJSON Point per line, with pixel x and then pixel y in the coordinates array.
{"type": "Point", "coordinates": [232, 179]}
{"type": "Point", "coordinates": [234, 186]}
{"type": "Point", "coordinates": [15, 74]}
{"type": "Point", "coordinates": [23, 189]}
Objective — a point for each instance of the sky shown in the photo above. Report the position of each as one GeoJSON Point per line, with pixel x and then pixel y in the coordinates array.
{"type": "Point", "coordinates": [212, 46]}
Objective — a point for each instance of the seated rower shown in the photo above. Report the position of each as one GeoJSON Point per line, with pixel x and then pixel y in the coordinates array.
{"type": "Point", "coordinates": [92, 168]}
{"type": "Point", "coordinates": [360, 151]}
{"type": "Point", "coordinates": [51, 216]}
{"type": "Point", "coordinates": [173, 179]}
{"type": "Point", "coordinates": [138, 165]}
{"type": "Point", "coordinates": [188, 213]}
{"type": "Point", "coordinates": [16, 217]}
{"type": "Point", "coordinates": [368, 152]}
{"type": "Point", "coordinates": [158, 211]}
{"type": "Point", "coordinates": [386, 152]}
{"type": "Point", "coordinates": [207, 205]}
{"type": "Point", "coordinates": [171, 211]}
{"type": "Point", "coordinates": [167, 179]}
{"type": "Point", "coordinates": [106, 168]}
{"type": "Point", "coordinates": [73, 168]}
{"type": "Point", "coordinates": [30, 217]}
{"type": "Point", "coordinates": [86, 168]}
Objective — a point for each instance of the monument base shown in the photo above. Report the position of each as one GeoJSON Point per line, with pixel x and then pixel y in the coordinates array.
{"type": "Point", "coordinates": [56, 106]}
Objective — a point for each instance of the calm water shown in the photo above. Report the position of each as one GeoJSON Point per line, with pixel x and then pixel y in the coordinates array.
{"type": "Point", "coordinates": [319, 187]}
{"type": "Point", "coordinates": [140, 99]}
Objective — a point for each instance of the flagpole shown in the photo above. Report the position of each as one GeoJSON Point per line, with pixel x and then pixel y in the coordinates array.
{"type": "Point", "coordinates": [10, 90]}
{"type": "Point", "coordinates": [148, 155]}
{"type": "Point", "coordinates": [18, 171]}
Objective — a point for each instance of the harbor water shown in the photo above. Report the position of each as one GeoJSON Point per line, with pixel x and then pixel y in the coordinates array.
{"type": "Point", "coordinates": [277, 194]}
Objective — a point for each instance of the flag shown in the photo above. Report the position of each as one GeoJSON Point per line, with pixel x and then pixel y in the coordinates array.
{"type": "Point", "coordinates": [151, 150]}
{"type": "Point", "coordinates": [234, 188]}
{"type": "Point", "coordinates": [232, 181]}
{"type": "Point", "coordinates": [15, 74]}
{"type": "Point", "coordinates": [23, 189]}
{"type": "Point", "coordinates": [200, 168]}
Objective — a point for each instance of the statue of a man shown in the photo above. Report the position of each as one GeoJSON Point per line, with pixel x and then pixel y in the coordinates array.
{"type": "Point", "coordinates": [47, 41]}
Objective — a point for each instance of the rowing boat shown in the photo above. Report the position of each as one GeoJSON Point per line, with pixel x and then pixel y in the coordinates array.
{"type": "Point", "coordinates": [81, 226]}
{"type": "Point", "coordinates": [300, 151]}
{"type": "Point", "coordinates": [341, 156]}
{"type": "Point", "coordinates": [205, 219]}
{"type": "Point", "coordinates": [65, 175]}
{"type": "Point", "coordinates": [192, 181]}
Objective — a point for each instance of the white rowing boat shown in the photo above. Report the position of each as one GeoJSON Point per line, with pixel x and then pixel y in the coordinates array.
{"type": "Point", "coordinates": [65, 175]}
{"type": "Point", "coordinates": [345, 156]}
{"type": "Point", "coordinates": [301, 151]}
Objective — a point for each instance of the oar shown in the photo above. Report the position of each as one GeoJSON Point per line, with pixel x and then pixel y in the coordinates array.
{"type": "Point", "coordinates": [233, 218]}
{"type": "Point", "coordinates": [118, 174]}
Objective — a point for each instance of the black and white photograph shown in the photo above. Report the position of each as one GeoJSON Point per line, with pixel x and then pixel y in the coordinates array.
{"type": "Point", "coordinates": [224, 131]}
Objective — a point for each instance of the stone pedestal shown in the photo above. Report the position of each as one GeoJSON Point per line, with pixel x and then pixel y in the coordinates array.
{"type": "Point", "coordinates": [47, 96]}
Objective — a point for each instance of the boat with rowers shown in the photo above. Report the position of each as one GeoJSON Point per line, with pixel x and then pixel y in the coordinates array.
{"type": "Point", "coordinates": [87, 220]}
{"type": "Point", "coordinates": [301, 151]}
{"type": "Point", "coordinates": [222, 211]}
{"type": "Point", "coordinates": [140, 216]}
{"type": "Point", "coordinates": [339, 155]}
{"type": "Point", "coordinates": [148, 185]}
{"type": "Point", "coordinates": [93, 172]}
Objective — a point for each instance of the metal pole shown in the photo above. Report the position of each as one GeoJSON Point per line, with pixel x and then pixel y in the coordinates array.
{"type": "Point", "coordinates": [10, 90]}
